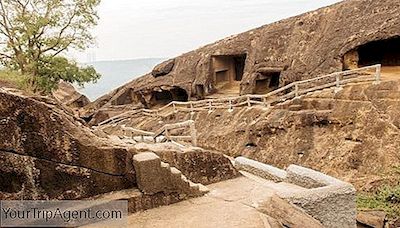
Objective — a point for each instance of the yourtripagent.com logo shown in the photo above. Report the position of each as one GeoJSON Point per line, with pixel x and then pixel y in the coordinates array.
{"type": "Point", "coordinates": [63, 213]}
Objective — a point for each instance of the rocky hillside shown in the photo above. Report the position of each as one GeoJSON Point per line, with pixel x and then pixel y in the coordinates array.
{"type": "Point", "coordinates": [353, 134]}
{"type": "Point", "coordinates": [296, 48]}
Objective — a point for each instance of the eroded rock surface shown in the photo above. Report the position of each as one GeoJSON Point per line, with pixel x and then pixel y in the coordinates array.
{"type": "Point", "coordinates": [46, 153]}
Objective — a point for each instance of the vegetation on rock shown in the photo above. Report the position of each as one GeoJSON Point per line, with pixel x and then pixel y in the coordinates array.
{"type": "Point", "coordinates": [386, 198]}
{"type": "Point", "coordinates": [12, 79]}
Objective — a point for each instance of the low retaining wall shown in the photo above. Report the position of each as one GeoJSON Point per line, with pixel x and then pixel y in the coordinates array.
{"type": "Point", "coordinates": [327, 199]}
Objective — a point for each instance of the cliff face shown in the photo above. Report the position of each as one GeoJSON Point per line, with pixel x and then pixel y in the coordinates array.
{"type": "Point", "coordinates": [45, 153]}
{"type": "Point", "coordinates": [272, 55]}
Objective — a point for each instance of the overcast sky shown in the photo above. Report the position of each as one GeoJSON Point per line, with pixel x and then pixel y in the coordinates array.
{"type": "Point", "coordinates": [131, 29]}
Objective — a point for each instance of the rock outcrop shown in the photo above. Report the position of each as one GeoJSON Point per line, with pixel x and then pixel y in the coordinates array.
{"type": "Point", "coordinates": [163, 68]}
{"type": "Point", "coordinates": [297, 48]}
{"type": "Point", "coordinates": [67, 95]}
{"type": "Point", "coordinates": [45, 153]}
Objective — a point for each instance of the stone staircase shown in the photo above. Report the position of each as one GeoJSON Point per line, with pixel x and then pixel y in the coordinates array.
{"type": "Point", "coordinates": [154, 176]}
{"type": "Point", "coordinates": [159, 184]}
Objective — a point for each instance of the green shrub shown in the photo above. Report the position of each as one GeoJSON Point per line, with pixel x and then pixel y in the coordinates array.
{"type": "Point", "coordinates": [14, 79]}
{"type": "Point", "coordinates": [386, 198]}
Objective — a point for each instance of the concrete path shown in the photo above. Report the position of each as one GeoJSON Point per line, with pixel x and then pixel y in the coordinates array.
{"type": "Point", "coordinates": [229, 204]}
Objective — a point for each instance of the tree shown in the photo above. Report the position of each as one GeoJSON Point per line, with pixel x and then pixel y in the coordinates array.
{"type": "Point", "coordinates": [53, 69]}
{"type": "Point", "coordinates": [34, 32]}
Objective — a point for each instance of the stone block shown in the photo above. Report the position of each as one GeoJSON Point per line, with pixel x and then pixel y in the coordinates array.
{"type": "Point", "coordinates": [148, 169]}
{"type": "Point", "coordinates": [309, 178]}
{"type": "Point", "coordinates": [260, 169]}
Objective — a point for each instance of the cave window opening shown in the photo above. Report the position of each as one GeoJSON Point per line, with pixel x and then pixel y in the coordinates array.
{"type": "Point", "coordinates": [267, 82]}
{"type": "Point", "coordinates": [11, 182]}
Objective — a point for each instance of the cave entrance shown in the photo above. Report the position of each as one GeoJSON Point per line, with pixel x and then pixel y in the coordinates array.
{"type": "Point", "coordinates": [385, 52]}
{"type": "Point", "coordinates": [164, 97]}
{"type": "Point", "coordinates": [228, 72]}
{"type": "Point", "coordinates": [267, 82]}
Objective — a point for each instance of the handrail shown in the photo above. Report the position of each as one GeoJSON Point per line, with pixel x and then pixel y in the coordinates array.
{"type": "Point", "coordinates": [294, 88]}
{"type": "Point", "coordinates": [165, 131]}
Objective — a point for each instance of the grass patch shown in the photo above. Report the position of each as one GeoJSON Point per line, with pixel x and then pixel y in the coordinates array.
{"type": "Point", "coordinates": [386, 198]}
{"type": "Point", "coordinates": [13, 79]}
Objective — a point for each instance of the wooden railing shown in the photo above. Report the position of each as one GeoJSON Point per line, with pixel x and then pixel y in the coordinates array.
{"type": "Point", "coordinates": [164, 133]}
{"type": "Point", "coordinates": [290, 91]}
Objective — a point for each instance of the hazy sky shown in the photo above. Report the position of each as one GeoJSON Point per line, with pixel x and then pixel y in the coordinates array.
{"type": "Point", "coordinates": [130, 29]}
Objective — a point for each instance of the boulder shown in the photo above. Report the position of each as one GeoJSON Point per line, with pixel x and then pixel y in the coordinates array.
{"type": "Point", "coordinates": [376, 219]}
{"type": "Point", "coordinates": [67, 95]}
{"type": "Point", "coordinates": [163, 68]}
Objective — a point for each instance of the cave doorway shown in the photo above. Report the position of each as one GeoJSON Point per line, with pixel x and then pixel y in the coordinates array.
{"type": "Point", "coordinates": [385, 52]}
{"type": "Point", "coordinates": [267, 82]}
{"type": "Point", "coordinates": [164, 97]}
{"type": "Point", "coordinates": [227, 71]}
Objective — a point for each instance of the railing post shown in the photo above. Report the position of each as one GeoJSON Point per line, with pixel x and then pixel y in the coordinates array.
{"type": "Point", "coordinates": [248, 102]}
{"type": "Point", "coordinates": [167, 135]}
{"type": "Point", "coordinates": [338, 86]}
{"type": "Point", "coordinates": [142, 137]}
{"type": "Point", "coordinates": [230, 106]}
{"type": "Point", "coordinates": [296, 90]}
{"type": "Point", "coordinates": [210, 106]}
{"type": "Point", "coordinates": [378, 74]}
{"type": "Point", "coordinates": [174, 106]}
{"type": "Point", "coordinates": [193, 134]}
{"type": "Point", "coordinates": [191, 108]}
{"type": "Point", "coordinates": [266, 104]}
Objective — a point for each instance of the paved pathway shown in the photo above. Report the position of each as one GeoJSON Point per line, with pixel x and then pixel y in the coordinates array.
{"type": "Point", "coordinates": [229, 204]}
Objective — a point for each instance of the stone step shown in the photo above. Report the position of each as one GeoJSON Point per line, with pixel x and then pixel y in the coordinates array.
{"type": "Point", "coordinates": [203, 189]}
{"type": "Point", "coordinates": [154, 176]}
{"type": "Point", "coordinates": [137, 201]}
{"type": "Point", "coordinates": [295, 107]}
